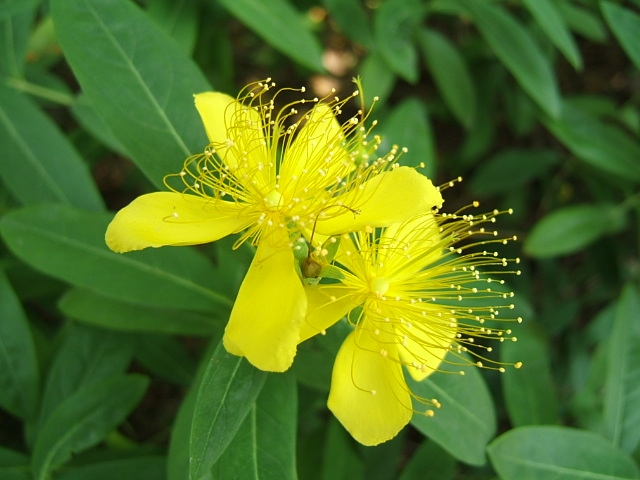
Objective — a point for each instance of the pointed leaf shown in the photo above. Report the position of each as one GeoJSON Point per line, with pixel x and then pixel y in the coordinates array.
{"type": "Point", "coordinates": [466, 421]}
{"type": "Point", "coordinates": [265, 446]}
{"type": "Point", "coordinates": [561, 453]}
{"type": "Point", "coordinates": [84, 419]}
{"type": "Point", "coordinates": [228, 390]}
{"type": "Point", "coordinates": [69, 244]}
{"type": "Point", "coordinates": [552, 24]}
{"type": "Point", "coordinates": [28, 139]}
{"type": "Point", "coordinates": [518, 52]}
{"type": "Point", "coordinates": [625, 25]}
{"type": "Point", "coordinates": [451, 75]}
{"type": "Point", "coordinates": [281, 26]}
{"type": "Point", "coordinates": [622, 387]}
{"type": "Point", "coordinates": [19, 376]}
{"type": "Point", "coordinates": [137, 79]}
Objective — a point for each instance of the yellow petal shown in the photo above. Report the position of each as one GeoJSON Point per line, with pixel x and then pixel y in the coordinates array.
{"type": "Point", "coordinates": [368, 392]}
{"type": "Point", "coordinates": [317, 148]}
{"type": "Point", "coordinates": [390, 197]}
{"type": "Point", "coordinates": [425, 343]}
{"type": "Point", "coordinates": [237, 133]}
{"type": "Point", "coordinates": [168, 218]}
{"type": "Point", "coordinates": [325, 306]}
{"type": "Point", "coordinates": [269, 311]}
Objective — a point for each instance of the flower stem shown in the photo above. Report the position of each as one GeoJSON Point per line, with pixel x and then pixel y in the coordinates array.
{"type": "Point", "coordinates": [40, 91]}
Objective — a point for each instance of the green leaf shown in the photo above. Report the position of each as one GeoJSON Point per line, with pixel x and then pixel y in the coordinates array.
{"type": "Point", "coordinates": [88, 118]}
{"type": "Point", "coordinates": [341, 460]}
{"type": "Point", "coordinates": [622, 387]}
{"type": "Point", "coordinates": [394, 24]}
{"type": "Point", "coordinates": [14, 465]}
{"type": "Point", "coordinates": [84, 419]}
{"type": "Point", "coordinates": [28, 139]}
{"type": "Point", "coordinates": [179, 19]}
{"type": "Point", "coordinates": [429, 461]}
{"type": "Point", "coordinates": [377, 78]}
{"type": "Point", "coordinates": [466, 421]}
{"type": "Point", "coordinates": [147, 468]}
{"type": "Point", "coordinates": [166, 357]}
{"type": "Point", "coordinates": [351, 17]}
{"type": "Point", "coordinates": [265, 446]}
{"type": "Point", "coordinates": [529, 392]}
{"type": "Point", "coordinates": [604, 146]}
{"type": "Point", "coordinates": [281, 26]}
{"type": "Point", "coordinates": [69, 244]}
{"type": "Point", "coordinates": [554, 27]}
{"type": "Point", "coordinates": [518, 52]}
{"type": "Point", "coordinates": [228, 390]}
{"type": "Point", "coordinates": [583, 21]}
{"type": "Point", "coordinates": [138, 80]}
{"type": "Point", "coordinates": [87, 355]}
{"type": "Point", "coordinates": [418, 139]}
{"type": "Point", "coordinates": [16, 20]}
{"type": "Point", "coordinates": [567, 230]}
{"type": "Point", "coordinates": [451, 75]}
{"type": "Point", "coordinates": [94, 309]}
{"type": "Point", "coordinates": [19, 376]}
{"type": "Point", "coordinates": [625, 25]}
{"type": "Point", "coordinates": [561, 453]}
{"type": "Point", "coordinates": [512, 168]}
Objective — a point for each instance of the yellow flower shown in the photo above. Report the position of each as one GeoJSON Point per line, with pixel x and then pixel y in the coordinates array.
{"type": "Point", "coordinates": [273, 174]}
{"type": "Point", "coordinates": [405, 287]}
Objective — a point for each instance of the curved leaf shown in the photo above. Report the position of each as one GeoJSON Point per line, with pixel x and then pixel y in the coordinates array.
{"type": "Point", "coordinates": [115, 51]}
{"type": "Point", "coordinates": [625, 25]}
{"type": "Point", "coordinates": [281, 26]}
{"type": "Point", "coordinates": [561, 453]}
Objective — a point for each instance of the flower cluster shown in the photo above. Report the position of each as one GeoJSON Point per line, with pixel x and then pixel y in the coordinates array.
{"type": "Point", "coordinates": [294, 179]}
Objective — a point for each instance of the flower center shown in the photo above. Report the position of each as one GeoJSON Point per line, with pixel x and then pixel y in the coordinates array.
{"type": "Point", "coordinates": [379, 285]}
{"type": "Point", "coordinates": [273, 200]}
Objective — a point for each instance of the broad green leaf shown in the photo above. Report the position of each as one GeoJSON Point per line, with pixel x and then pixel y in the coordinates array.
{"type": "Point", "coordinates": [451, 75]}
{"type": "Point", "coordinates": [265, 446]}
{"type": "Point", "coordinates": [408, 127]}
{"type": "Point", "coordinates": [89, 119]}
{"type": "Point", "coordinates": [19, 376]}
{"type": "Point", "coordinates": [84, 419]}
{"type": "Point", "coordinates": [37, 162]}
{"type": "Point", "coordinates": [138, 80]}
{"type": "Point", "coordinates": [394, 25]}
{"type": "Point", "coordinates": [226, 394]}
{"type": "Point", "coordinates": [281, 26]}
{"type": "Point", "coordinates": [382, 462]}
{"type": "Point", "coordinates": [69, 244]}
{"type": "Point", "coordinates": [561, 453]}
{"type": "Point", "coordinates": [94, 309]}
{"type": "Point", "coordinates": [583, 21]}
{"type": "Point", "coordinates": [552, 24]}
{"type": "Point", "coordinates": [179, 19]}
{"type": "Point", "coordinates": [517, 51]}
{"type": "Point", "coordinates": [568, 229]}
{"type": "Point", "coordinates": [511, 168]}
{"type": "Point", "coordinates": [429, 461]}
{"type": "Point", "coordinates": [178, 455]}
{"type": "Point", "coordinates": [625, 25]}
{"type": "Point", "coordinates": [602, 145]}
{"type": "Point", "coordinates": [16, 19]}
{"type": "Point", "coordinates": [86, 355]}
{"type": "Point", "coordinates": [377, 78]}
{"type": "Point", "coordinates": [351, 17]}
{"type": "Point", "coordinates": [14, 465]}
{"type": "Point", "coordinates": [466, 421]}
{"type": "Point", "coordinates": [165, 357]}
{"type": "Point", "coordinates": [341, 460]}
{"type": "Point", "coordinates": [137, 468]}
{"type": "Point", "coordinates": [529, 392]}
{"type": "Point", "coordinates": [622, 387]}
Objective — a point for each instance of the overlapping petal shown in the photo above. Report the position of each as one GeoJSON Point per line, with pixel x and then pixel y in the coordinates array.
{"type": "Point", "coordinates": [167, 218]}
{"type": "Point", "coordinates": [368, 393]}
{"type": "Point", "coordinates": [387, 198]}
{"type": "Point", "coordinates": [270, 308]}
{"type": "Point", "coordinates": [325, 306]}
